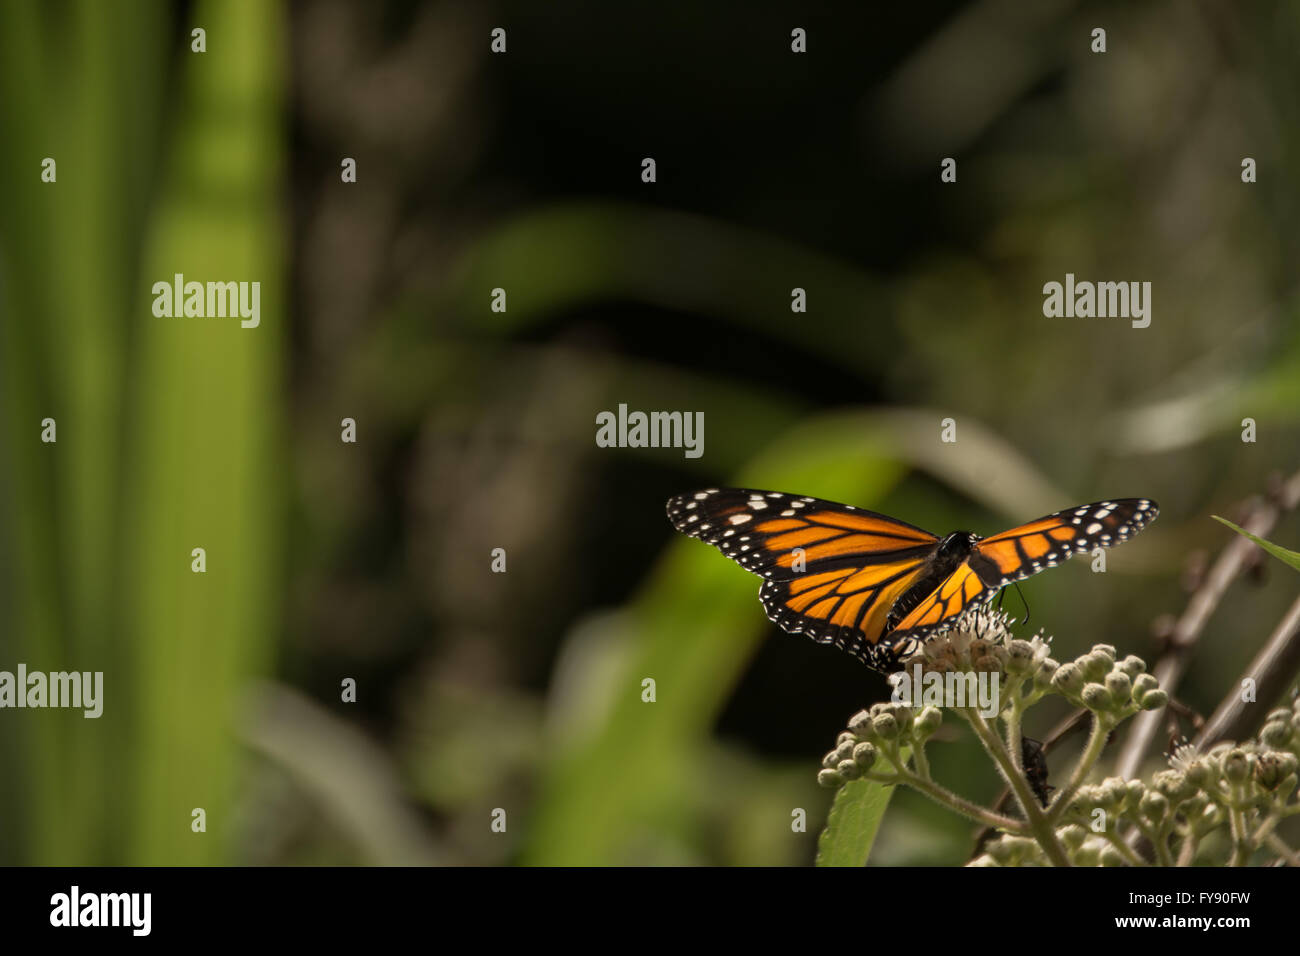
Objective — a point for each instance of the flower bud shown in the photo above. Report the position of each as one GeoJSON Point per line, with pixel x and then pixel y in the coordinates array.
{"type": "Point", "coordinates": [1110, 856]}
{"type": "Point", "coordinates": [849, 770]}
{"type": "Point", "coordinates": [1154, 806]}
{"type": "Point", "coordinates": [1096, 697]}
{"type": "Point", "coordinates": [1046, 672]}
{"type": "Point", "coordinates": [1135, 791]}
{"type": "Point", "coordinates": [829, 779]}
{"type": "Point", "coordinates": [1277, 734]}
{"type": "Point", "coordinates": [1095, 666]}
{"type": "Point", "coordinates": [1132, 666]}
{"type": "Point", "coordinates": [1199, 773]}
{"type": "Point", "coordinates": [1068, 679]}
{"type": "Point", "coordinates": [1236, 765]}
{"type": "Point", "coordinates": [1087, 855]}
{"type": "Point", "coordinates": [1144, 684]}
{"type": "Point", "coordinates": [1114, 792]}
{"type": "Point", "coordinates": [885, 725]}
{"type": "Point", "coordinates": [1119, 685]}
{"type": "Point", "coordinates": [1272, 767]}
{"type": "Point", "coordinates": [927, 722]}
{"type": "Point", "coordinates": [864, 755]}
{"type": "Point", "coordinates": [1006, 851]}
{"type": "Point", "coordinates": [1153, 700]}
{"type": "Point", "coordinates": [860, 723]}
{"type": "Point", "coordinates": [1020, 658]}
{"type": "Point", "coordinates": [1072, 836]}
{"type": "Point", "coordinates": [904, 715]}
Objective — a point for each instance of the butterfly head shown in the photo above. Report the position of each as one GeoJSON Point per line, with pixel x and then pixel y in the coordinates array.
{"type": "Point", "coordinates": [956, 547]}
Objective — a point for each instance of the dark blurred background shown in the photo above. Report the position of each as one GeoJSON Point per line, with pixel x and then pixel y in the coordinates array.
{"type": "Point", "coordinates": [521, 170]}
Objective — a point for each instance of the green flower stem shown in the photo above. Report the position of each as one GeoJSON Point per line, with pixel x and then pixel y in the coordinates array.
{"type": "Point", "coordinates": [1265, 829]}
{"type": "Point", "coordinates": [1039, 827]}
{"type": "Point", "coordinates": [966, 808]}
{"type": "Point", "coordinates": [1282, 849]}
{"type": "Point", "coordinates": [1125, 850]}
{"type": "Point", "coordinates": [1158, 837]}
{"type": "Point", "coordinates": [1087, 760]}
{"type": "Point", "coordinates": [922, 762]}
{"type": "Point", "coordinates": [892, 779]}
{"type": "Point", "coordinates": [889, 749]}
{"type": "Point", "coordinates": [895, 757]}
{"type": "Point", "coordinates": [1241, 845]}
{"type": "Point", "coordinates": [1014, 741]}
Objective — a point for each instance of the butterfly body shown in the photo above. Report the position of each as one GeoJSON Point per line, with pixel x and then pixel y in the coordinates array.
{"type": "Point", "coordinates": [946, 559]}
{"type": "Point", "coordinates": [873, 585]}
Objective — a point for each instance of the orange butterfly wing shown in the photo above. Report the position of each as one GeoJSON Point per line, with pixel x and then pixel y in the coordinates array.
{"type": "Point", "coordinates": [1024, 551]}
{"type": "Point", "coordinates": [855, 563]}
{"type": "Point", "coordinates": [955, 594]}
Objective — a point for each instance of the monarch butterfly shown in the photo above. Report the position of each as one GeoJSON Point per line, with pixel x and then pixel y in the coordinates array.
{"type": "Point", "coordinates": [875, 586]}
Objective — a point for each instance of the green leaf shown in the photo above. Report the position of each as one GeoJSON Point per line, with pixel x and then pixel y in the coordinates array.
{"type": "Point", "coordinates": [853, 823]}
{"type": "Point", "coordinates": [1282, 554]}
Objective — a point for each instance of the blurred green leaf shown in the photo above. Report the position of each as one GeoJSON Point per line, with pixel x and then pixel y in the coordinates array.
{"type": "Point", "coordinates": [562, 256]}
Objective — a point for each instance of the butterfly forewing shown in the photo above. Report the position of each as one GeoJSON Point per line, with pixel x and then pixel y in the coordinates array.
{"type": "Point", "coordinates": [1024, 551]}
{"type": "Point", "coordinates": [833, 571]}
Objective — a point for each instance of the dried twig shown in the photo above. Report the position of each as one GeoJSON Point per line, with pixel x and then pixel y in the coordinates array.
{"type": "Point", "coordinates": [1272, 670]}
{"type": "Point", "coordinates": [1170, 668]}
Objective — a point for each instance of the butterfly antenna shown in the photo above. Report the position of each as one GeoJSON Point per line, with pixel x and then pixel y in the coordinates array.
{"type": "Point", "coordinates": [1022, 601]}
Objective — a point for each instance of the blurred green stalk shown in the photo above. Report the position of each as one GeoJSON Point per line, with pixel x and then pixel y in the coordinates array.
{"type": "Point", "coordinates": [165, 426]}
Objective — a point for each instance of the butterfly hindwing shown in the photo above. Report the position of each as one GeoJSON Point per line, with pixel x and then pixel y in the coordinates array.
{"type": "Point", "coordinates": [957, 592]}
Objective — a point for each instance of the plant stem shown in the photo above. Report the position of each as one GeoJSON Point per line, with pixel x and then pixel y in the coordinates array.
{"type": "Point", "coordinates": [1014, 742]}
{"type": "Point", "coordinates": [1039, 826]}
{"type": "Point", "coordinates": [1115, 840]}
{"type": "Point", "coordinates": [974, 811]}
{"type": "Point", "coordinates": [1241, 845]}
{"type": "Point", "coordinates": [1159, 840]}
{"type": "Point", "coordinates": [1087, 760]}
{"type": "Point", "coordinates": [1279, 845]}
{"type": "Point", "coordinates": [921, 761]}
